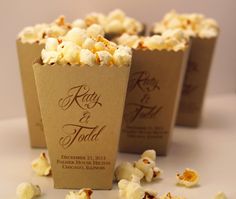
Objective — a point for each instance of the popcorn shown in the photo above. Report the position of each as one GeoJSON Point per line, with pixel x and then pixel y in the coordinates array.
{"type": "Point", "coordinates": [175, 40]}
{"type": "Point", "coordinates": [41, 165]}
{"type": "Point", "coordinates": [87, 57]}
{"type": "Point", "coordinates": [81, 194]}
{"type": "Point", "coordinates": [95, 30]}
{"type": "Point", "coordinates": [150, 154]}
{"type": "Point", "coordinates": [154, 42]}
{"type": "Point", "coordinates": [89, 43]}
{"type": "Point", "coordinates": [133, 190]}
{"type": "Point", "coordinates": [132, 26]}
{"type": "Point", "coordinates": [50, 57]}
{"type": "Point", "coordinates": [114, 27]}
{"type": "Point", "coordinates": [194, 25]}
{"type": "Point", "coordinates": [85, 47]}
{"type": "Point", "coordinates": [122, 56]}
{"type": "Point", "coordinates": [76, 35]}
{"type": "Point", "coordinates": [127, 171]}
{"type": "Point", "coordinates": [129, 40]}
{"type": "Point", "coordinates": [40, 32]}
{"type": "Point", "coordinates": [27, 191]}
{"type": "Point", "coordinates": [51, 44]}
{"type": "Point", "coordinates": [95, 18]}
{"type": "Point", "coordinates": [189, 178]}
{"type": "Point", "coordinates": [169, 196]}
{"type": "Point", "coordinates": [116, 22]}
{"type": "Point", "coordinates": [116, 15]}
{"type": "Point", "coordinates": [104, 58]}
{"type": "Point", "coordinates": [145, 167]}
{"type": "Point", "coordinates": [69, 53]}
{"type": "Point", "coordinates": [220, 195]}
{"type": "Point", "coordinates": [79, 23]}
{"type": "Point", "coordinates": [29, 35]}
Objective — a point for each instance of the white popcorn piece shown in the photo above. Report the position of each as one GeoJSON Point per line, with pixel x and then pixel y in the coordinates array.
{"type": "Point", "coordinates": [132, 26]}
{"type": "Point", "coordinates": [95, 30]}
{"type": "Point", "coordinates": [81, 194]}
{"type": "Point", "coordinates": [51, 44]}
{"type": "Point", "coordinates": [70, 53]}
{"type": "Point", "coordinates": [89, 43]}
{"type": "Point", "coordinates": [220, 195]}
{"type": "Point", "coordinates": [29, 35]}
{"type": "Point", "coordinates": [122, 56]}
{"type": "Point", "coordinates": [150, 154]}
{"type": "Point", "coordinates": [41, 165]}
{"type": "Point", "coordinates": [50, 57]}
{"type": "Point", "coordinates": [114, 26]}
{"type": "Point", "coordinates": [116, 14]}
{"type": "Point", "coordinates": [104, 58]}
{"type": "Point", "coordinates": [146, 165]}
{"type": "Point", "coordinates": [76, 35]}
{"type": "Point", "coordinates": [129, 40]}
{"type": "Point", "coordinates": [79, 23]}
{"type": "Point", "coordinates": [27, 191]}
{"type": "Point", "coordinates": [170, 196]}
{"type": "Point", "coordinates": [133, 190]}
{"type": "Point", "coordinates": [87, 57]}
{"type": "Point", "coordinates": [127, 171]}
{"type": "Point", "coordinates": [189, 178]}
{"type": "Point", "coordinates": [154, 42]}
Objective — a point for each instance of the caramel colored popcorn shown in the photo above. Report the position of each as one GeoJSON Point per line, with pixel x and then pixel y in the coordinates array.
{"type": "Point", "coordinates": [194, 25]}
{"type": "Point", "coordinates": [189, 178]}
{"type": "Point", "coordinates": [41, 165]}
{"type": "Point", "coordinates": [27, 191]}
{"type": "Point", "coordinates": [40, 32]}
{"type": "Point", "coordinates": [85, 47]}
{"type": "Point", "coordinates": [81, 194]}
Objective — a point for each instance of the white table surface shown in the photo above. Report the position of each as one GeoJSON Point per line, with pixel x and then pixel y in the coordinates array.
{"type": "Point", "coordinates": [210, 149]}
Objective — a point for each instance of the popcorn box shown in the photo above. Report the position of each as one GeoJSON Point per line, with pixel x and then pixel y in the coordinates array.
{"type": "Point", "coordinates": [195, 82]}
{"type": "Point", "coordinates": [27, 53]}
{"type": "Point", "coordinates": [82, 110]}
{"type": "Point", "coordinates": [155, 82]}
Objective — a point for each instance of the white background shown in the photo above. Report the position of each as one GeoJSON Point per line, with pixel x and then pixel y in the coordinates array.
{"type": "Point", "coordinates": [14, 15]}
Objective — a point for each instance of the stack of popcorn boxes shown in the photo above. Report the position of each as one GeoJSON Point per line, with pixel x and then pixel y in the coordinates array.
{"type": "Point", "coordinates": [98, 85]}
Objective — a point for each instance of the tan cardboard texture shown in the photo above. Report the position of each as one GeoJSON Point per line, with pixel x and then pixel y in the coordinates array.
{"type": "Point", "coordinates": [195, 83]}
{"type": "Point", "coordinates": [152, 98]}
{"type": "Point", "coordinates": [82, 110]}
{"type": "Point", "coordinates": [27, 53]}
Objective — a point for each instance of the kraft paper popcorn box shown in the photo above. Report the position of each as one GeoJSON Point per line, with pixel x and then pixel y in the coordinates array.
{"type": "Point", "coordinates": [29, 46]}
{"type": "Point", "coordinates": [156, 78]}
{"type": "Point", "coordinates": [152, 98]}
{"type": "Point", "coordinates": [82, 98]}
{"type": "Point", "coordinates": [27, 53]}
{"type": "Point", "coordinates": [203, 33]}
{"type": "Point", "coordinates": [195, 82]}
